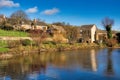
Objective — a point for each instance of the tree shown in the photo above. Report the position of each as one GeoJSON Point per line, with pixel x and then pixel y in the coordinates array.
{"type": "Point", "coordinates": [19, 17]}
{"type": "Point", "coordinates": [108, 23]}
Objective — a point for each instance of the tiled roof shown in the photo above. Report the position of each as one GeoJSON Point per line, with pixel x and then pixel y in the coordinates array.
{"type": "Point", "coordinates": [87, 26]}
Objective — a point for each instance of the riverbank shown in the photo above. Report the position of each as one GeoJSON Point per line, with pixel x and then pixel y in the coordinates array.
{"type": "Point", "coordinates": [47, 47]}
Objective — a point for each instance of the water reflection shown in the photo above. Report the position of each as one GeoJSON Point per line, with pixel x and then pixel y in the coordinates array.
{"type": "Point", "coordinates": [75, 65]}
{"type": "Point", "coordinates": [93, 60]}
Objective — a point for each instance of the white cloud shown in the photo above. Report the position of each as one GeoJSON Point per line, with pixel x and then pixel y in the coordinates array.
{"type": "Point", "coordinates": [32, 10]}
{"type": "Point", "coordinates": [50, 11]}
{"type": "Point", "coordinates": [8, 3]}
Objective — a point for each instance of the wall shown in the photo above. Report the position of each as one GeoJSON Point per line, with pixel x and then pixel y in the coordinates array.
{"type": "Point", "coordinates": [93, 33]}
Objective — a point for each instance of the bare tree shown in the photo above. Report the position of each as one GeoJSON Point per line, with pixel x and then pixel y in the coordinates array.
{"type": "Point", "coordinates": [19, 17]}
{"type": "Point", "coordinates": [108, 23]}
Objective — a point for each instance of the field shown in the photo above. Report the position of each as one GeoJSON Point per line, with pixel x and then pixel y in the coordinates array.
{"type": "Point", "coordinates": [13, 33]}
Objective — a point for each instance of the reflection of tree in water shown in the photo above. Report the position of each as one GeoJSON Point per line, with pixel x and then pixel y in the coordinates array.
{"type": "Point", "coordinates": [109, 69]}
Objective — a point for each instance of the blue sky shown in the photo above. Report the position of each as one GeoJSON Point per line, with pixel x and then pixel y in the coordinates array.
{"type": "Point", "coordinates": [75, 12]}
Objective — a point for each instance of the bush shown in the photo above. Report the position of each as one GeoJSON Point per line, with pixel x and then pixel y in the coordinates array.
{"type": "Point", "coordinates": [111, 42]}
{"type": "Point", "coordinates": [49, 42]}
{"type": "Point", "coordinates": [26, 42]}
{"type": "Point", "coordinates": [36, 31]}
{"type": "Point", "coordinates": [7, 27]}
{"type": "Point", "coordinates": [13, 44]}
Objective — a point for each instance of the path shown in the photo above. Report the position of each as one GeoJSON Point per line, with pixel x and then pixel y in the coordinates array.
{"type": "Point", "coordinates": [14, 38]}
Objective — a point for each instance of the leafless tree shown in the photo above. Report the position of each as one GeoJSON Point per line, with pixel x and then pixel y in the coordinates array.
{"type": "Point", "coordinates": [19, 17]}
{"type": "Point", "coordinates": [108, 23]}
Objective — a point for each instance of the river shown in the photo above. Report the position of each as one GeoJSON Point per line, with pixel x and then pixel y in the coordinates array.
{"type": "Point", "coordinates": [86, 64]}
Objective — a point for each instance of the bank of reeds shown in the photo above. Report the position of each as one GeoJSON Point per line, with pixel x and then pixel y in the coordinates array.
{"type": "Point", "coordinates": [22, 50]}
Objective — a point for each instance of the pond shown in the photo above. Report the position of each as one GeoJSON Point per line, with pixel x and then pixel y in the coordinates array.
{"type": "Point", "coordinates": [87, 64]}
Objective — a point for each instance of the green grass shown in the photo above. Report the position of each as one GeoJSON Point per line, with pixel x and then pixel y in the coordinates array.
{"type": "Point", "coordinates": [13, 33]}
{"type": "Point", "coordinates": [3, 49]}
{"type": "Point", "coordinates": [3, 45]}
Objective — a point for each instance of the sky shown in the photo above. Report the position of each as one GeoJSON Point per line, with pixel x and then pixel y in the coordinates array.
{"type": "Point", "coordinates": [75, 12]}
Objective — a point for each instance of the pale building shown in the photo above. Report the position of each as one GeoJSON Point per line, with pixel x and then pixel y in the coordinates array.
{"type": "Point", "coordinates": [88, 33]}
{"type": "Point", "coordinates": [2, 18]}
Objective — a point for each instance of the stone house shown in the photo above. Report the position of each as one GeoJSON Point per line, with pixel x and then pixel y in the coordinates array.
{"type": "Point", "coordinates": [88, 33]}
{"type": "Point", "coordinates": [101, 35]}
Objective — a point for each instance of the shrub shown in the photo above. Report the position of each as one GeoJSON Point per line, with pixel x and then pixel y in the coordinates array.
{"type": "Point", "coordinates": [26, 42]}
{"type": "Point", "coordinates": [13, 44]}
{"type": "Point", "coordinates": [111, 42]}
{"type": "Point", "coordinates": [7, 27]}
{"type": "Point", "coordinates": [49, 42]}
{"type": "Point", "coordinates": [36, 31]}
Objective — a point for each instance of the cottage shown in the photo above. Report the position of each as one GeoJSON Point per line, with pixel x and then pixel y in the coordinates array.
{"type": "Point", "coordinates": [88, 33]}
{"type": "Point", "coordinates": [101, 35]}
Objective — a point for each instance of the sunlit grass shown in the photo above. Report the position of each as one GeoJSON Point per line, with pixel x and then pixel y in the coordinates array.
{"type": "Point", "coordinates": [3, 46]}
{"type": "Point", "coordinates": [13, 33]}
{"type": "Point", "coordinates": [3, 49]}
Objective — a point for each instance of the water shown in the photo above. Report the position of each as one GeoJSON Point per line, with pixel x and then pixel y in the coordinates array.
{"type": "Point", "coordinates": [89, 64]}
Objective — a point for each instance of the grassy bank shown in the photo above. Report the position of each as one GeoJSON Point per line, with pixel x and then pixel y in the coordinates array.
{"type": "Point", "coordinates": [3, 46]}
{"type": "Point", "coordinates": [3, 49]}
{"type": "Point", "coordinates": [55, 47]}
{"type": "Point", "coordinates": [46, 47]}
{"type": "Point", "coordinates": [13, 33]}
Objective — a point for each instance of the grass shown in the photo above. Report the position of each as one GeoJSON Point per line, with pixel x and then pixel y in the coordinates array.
{"type": "Point", "coordinates": [13, 33]}
{"type": "Point", "coordinates": [3, 46]}
{"type": "Point", "coordinates": [3, 49]}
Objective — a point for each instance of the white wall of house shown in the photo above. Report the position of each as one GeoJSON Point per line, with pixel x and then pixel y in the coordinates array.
{"type": "Point", "coordinates": [93, 31]}
{"type": "Point", "coordinates": [25, 26]}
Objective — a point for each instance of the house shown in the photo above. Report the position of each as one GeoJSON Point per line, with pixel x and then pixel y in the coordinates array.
{"type": "Point", "coordinates": [88, 33]}
{"type": "Point", "coordinates": [2, 18]}
{"type": "Point", "coordinates": [101, 35]}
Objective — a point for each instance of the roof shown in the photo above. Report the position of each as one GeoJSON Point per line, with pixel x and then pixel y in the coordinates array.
{"type": "Point", "coordinates": [87, 27]}
{"type": "Point", "coordinates": [101, 31]}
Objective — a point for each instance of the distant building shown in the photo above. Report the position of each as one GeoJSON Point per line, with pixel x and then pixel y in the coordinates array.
{"type": "Point", "coordinates": [101, 35]}
{"type": "Point", "coordinates": [2, 18]}
{"type": "Point", "coordinates": [88, 33]}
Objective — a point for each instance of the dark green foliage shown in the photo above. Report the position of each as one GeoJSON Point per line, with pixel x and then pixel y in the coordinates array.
{"type": "Point", "coordinates": [49, 42]}
{"type": "Point", "coordinates": [7, 27]}
{"type": "Point", "coordinates": [26, 42]}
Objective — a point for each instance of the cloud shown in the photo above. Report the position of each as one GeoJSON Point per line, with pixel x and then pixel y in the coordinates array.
{"type": "Point", "coordinates": [32, 10]}
{"type": "Point", "coordinates": [8, 3]}
{"type": "Point", "coordinates": [50, 11]}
